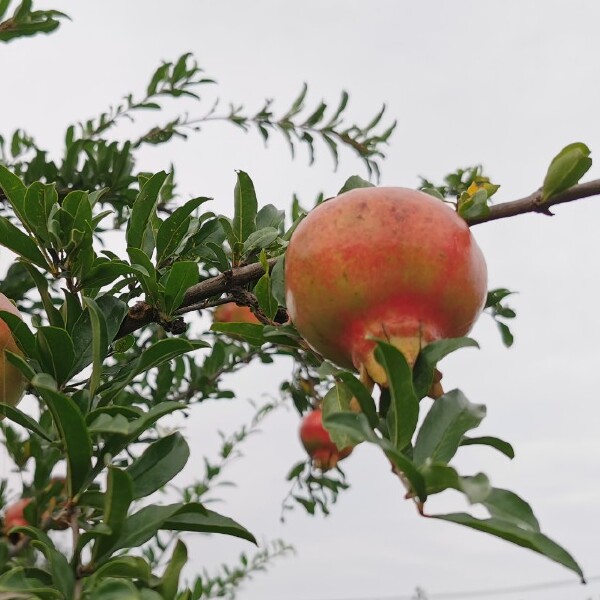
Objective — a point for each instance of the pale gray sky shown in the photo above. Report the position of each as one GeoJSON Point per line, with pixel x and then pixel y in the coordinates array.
{"type": "Point", "coordinates": [505, 83]}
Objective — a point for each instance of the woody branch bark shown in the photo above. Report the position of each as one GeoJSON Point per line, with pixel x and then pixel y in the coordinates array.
{"type": "Point", "coordinates": [142, 314]}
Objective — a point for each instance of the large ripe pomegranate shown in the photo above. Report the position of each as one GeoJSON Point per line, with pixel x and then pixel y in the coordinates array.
{"type": "Point", "coordinates": [315, 439]}
{"type": "Point", "coordinates": [388, 263]}
{"type": "Point", "coordinates": [12, 383]}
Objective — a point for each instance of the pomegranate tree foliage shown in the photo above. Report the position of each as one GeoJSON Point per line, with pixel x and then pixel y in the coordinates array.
{"type": "Point", "coordinates": [108, 353]}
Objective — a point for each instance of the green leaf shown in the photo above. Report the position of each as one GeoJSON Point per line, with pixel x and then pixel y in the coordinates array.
{"type": "Point", "coordinates": [58, 565]}
{"type": "Point", "coordinates": [246, 206]}
{"type": "Point", "coordinates": [99, 343]}
{"type": "Point", "coordinates": [404, 409]}
{"type": "Point", "coordinates": [19, 417]}
{"type": "Point", "coordinates": [56, 352]}
{"type": "Point", "coordinates": [143, 525]}
{"type": "Point", "coordinates": [114, 311]}
{"type": "Point", "coordinates": [126, 567]}
{"type": "Point", "coordinates": [337, 400]}
{"type": "Point", "coordinates": [15, 191]}
{"type": "Point", "coordinates": [21, 333]}
{"type": "Point", "coordinates": [353, 183]}
{"type": "Point", "coordinates": [143, 208]}
{"type": "Point", "coordinates": [260, 239]}
{"type": "Point", "coordinates": [430, 356]}
{"type": "Point", "coordinates": [118, 498]}
{"type": "Point", "coordinates": [262, 290]}
{"type": "Point", "coordinates": [278, 281]}
{"type": "Point", "coordinates": [115, 589]}
{"type": "Point", "coordinates": [512, 533]}
{"type": "Point", "coordinates": [19, 243]}
{"type": "Point", "coordinates": [249, 332]}
{"type": "Point", "coordinates": [440, 477]}
{"type": "Point", "coordinates": [182, 275]}
{"type": "Point", "coordinates": [357, 427]}
{"type": "Point", "coordinates": [506, 505]}
{"type": "Point", "coordinates": [566, 169]}
{"type": "Point", "coordinates": [475, 206]}
{"type": "Point", "coordinates": [40, 201]}
{"type": "Point", "coordinates": [159, 463]}
{"type": "Point", "coordinates": [169, 582]}
{"type": "Point", "coordinates": [54, 315]}
{"type": "Point", "coordinates": [442, 431]}
{"type": "Point", "coordinates": [173, 229]}
{"type": "Point", "coordinates": [491, 441]}
{"type": "Point", "coordinates": [72, 430]}
{"type": "Point", "coordinates": [363, 397]}
{"type": "Point", "coordinates": [269, 216]}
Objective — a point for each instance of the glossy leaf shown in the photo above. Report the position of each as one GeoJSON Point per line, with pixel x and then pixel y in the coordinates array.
{"type": "Point", "coordinates": [142, 210]}
{"type": "Point", "coordinates": [493, 442]}
{"type": "Point", "coordinates": [357, 427]}
{"type": "Point", "coordinates": [404, 409]}
{"type": "Point", "coordinates": [430, 356]}
{"type": "Point", "coordinates": [363, 397]}
{"type": "Point", "coordinates": [182, 275]}
{"type": "Point", "coordinates": [442, 431]}
{"type": "Point", "coordinates": [246, 207]}
{"type": "Point", "coordinates": [158, 464]}
{"type": "Point", "coordinates": [117, 499]}
{"type": "Point", "coordinates": [14, 239]}
{"type": "Point", "coordinates": [506, 530]}
{"type": "Point", "coordinates": [566, 169]}
{"type": "Point", "coordinates": [56, 352]}
{"type": "Point", "coordinates": [72, 431]}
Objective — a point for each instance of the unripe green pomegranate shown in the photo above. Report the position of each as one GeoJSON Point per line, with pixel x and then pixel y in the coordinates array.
{"type": "Point", "coordinates": [386, 263]}
{"type": "Point", "coordinates": [316, 441]}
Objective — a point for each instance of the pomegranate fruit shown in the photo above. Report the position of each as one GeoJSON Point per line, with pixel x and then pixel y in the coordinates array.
{"type": "Point", "coordinates": [386, 263]}
{"type": "Point", "coordinates": [316, 441]}
{"type": "Point", "coordinates": [12, 383]}
{"type": "Point", "coordinates": [14, 515]}
{"type": "Point", "coordinates": [232, 313]}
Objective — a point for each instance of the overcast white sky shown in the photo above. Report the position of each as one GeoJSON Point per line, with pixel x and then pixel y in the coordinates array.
{"type": "Point", "coordinates": [504, 83]}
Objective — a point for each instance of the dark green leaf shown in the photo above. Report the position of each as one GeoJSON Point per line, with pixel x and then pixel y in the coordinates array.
{"type": "Point", "coordinates": [491, 441]}
{"type": "Point", "coordinates": [246, 206]}
{"type": "Point", "coordinates": [118, 498]}
{"type": "Point", "coordinates": [159, 463]}
{"type": "Point", "coordinates": [404, 409]}
{"type": "Point", "coordinates": [143, 208]}
{"type": "Point", "coordinates": [430, 356]}
{"type": "Point", "coordinates": [182, 275]}
{"type": "Point", "coordinates": [249, 332]}
{"type": "Point", "coordinates": [56, 352]}
{"type": "Point", "coordinates": [363, 397]}
{"type": "Point", "coordinates": [72, 430]}
{"type": "Point", "coordinates": [442, 431]}
{"type": "Point", "coordinates": [14, 239]}
{"type": "Point", "coordinates": [169, 582]}
{"type": "Point", "coordinates": [18, 416]}
{"type": "Point", "coordinates": [527, 539]}
{"type": "Point", "coordinates": [171, 232]}
{"type": "Point", "coordinates": [506, 505]}
{"type": "Point", "coordinates": [353, 183]}
{"type": "Point", "coordinates": [357, 427]}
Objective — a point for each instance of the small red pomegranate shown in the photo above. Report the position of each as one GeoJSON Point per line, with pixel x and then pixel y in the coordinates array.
{"type": "Point", "coordinates": [14, 514]}
{"type": "Point", "coordinates": [386, 263]}
{"type": "Point", "coordinates": [315, 439]}
{"type": "Point", "coordinates": [232, 313]}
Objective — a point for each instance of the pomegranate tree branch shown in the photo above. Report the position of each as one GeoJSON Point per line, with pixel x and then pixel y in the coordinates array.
{"type": "Point", "coordinates": [197, 296]}
{"type": "Point", "coordinates": [534, 202]}
{"type": "Point", "coordinates": [142, 314]}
